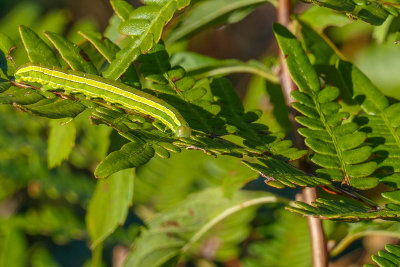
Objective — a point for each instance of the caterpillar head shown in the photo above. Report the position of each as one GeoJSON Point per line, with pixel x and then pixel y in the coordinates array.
{"type": "Point", "coordinates": [183, 131]}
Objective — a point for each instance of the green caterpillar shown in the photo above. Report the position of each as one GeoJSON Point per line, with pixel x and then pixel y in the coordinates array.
{"type": "Point", "coordinates": [111, 91]}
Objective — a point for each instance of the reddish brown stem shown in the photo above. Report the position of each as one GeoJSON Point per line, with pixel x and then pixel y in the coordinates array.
{"type": "Point", "coordinates": [318, 242]}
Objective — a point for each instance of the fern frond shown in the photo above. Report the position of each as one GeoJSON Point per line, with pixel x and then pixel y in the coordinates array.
{"type": "Point", "coordinates": [339, 148]}
{"type": "Point", "coordinates": [380, 122]}
{"type": "Point", "coordinates": [383, 135]}
{"type": "Point", "coordinates": [280, 174]}
{"type": "Point", "coordinates": [191, 97]}
{"type": "Point", "coordinates": [255, 136]}
{"type": "Point", "coordinates": [345, 210]}
{"type": "Point", "coordinates": [390, 257]}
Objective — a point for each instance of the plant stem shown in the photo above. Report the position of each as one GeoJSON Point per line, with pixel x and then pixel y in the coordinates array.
{"type": "Point", "coordinates": [318, 242]}
{"type": "Point", "coordinates": [345, 242]}
{"type": "Point", "coordinates": [227, 213]}
{"type": "Point", "coordinates": [97, 254]}
{"type": "Point", "coordinates": [224, 70]}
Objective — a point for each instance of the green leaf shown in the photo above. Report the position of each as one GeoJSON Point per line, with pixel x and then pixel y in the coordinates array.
{"type": "Point", "coordinates": [20, 96]}
{"type": "Point", "coordinates": [321, 50]}
{"type": "Point", "coordinates": [24, 13]}
{"type": "Point", "coordinates": [131, 155]}
{"type": "Point", "coordinates": [362, 229]}
{"type": "Point", "coordinates": [234, 174]}
{"type": "Point", "coordinates": [321, 17]}
{"type": "Point", "coordinates": [210, 13]}
{"type": "Point", "coordinates": [60, 142]}
{"type": "Point", "coordinates": [134, 26]}
{"type": "Point", "coordinates": [201, 66]}
{"type": "Point", "coordinates": [345, 150]}
{"type": "Point", "coordinates": [41, 257]}
{"type": "Point", "coordinates": [6, 66]}
{"type": "Point", "coordinates": [175, 178]}
{"type": "Point", "coordinates": [84, 24]}
{"type": "Point", "coordinates": [109, 50]}
{"type": "Point", "coordinates": [364, 182]}
{"type": "Point", "coordinates": [389, 27]}
{"type": "Point", "coordinates": [38, 51]}
{"type": "Point", "coordinates": [328, 94]}
{"type": "Point", "coordinates": [393, 196]}
{"type": "Point", "coordinates": [362, 89]}
{"type": "Point", "coordinates": [378, 62]}
{"type": "Point", "coordinates": [301, 70]}
{"type": "Point", "coordinates": [157, 14]}
{"type": "Point", "coordinates": [260, 95]}
{"type": "Point", "coordinates": [381, 121]}
{"type": "Point", "coordinates": [111, 31]}
{"type": "Point", "coordinates": [285, 242]}
{"type": "Point", "coordinates": [392, 115]}
{"type": "Point", "coordinates": [122, 8]}
{"type": "Point", "coordinates": [380, 126]}
{"type": "Point", "coordinates": [338, 147]}
{"type": "Point", "coordinates": [55, 20]}
{"type": "Point", "coordinates": [13, 247]}
{"type": "Point", "coordinates": [343, 209]}
{"type": "Point", "coordinates": [109, 205]}
{"type": "Point", "coordinates": [56, 108]}
{"type": "Point", "coordinates": [388, 258]}
{"type": "Point", "coordinates": [71, 53]}
{"type": "Point", "coordinates": [255, 138]}
{"type": "Point", "coordinates": [192, 98]}
{"type": "Point", "coordinates": [59, 222]}
{"type": "Point", "coordinates": [104, 45]}
{"type": "Point", "coordinates": [280, 174]}
{"type": "Point", "coordinates": [175, 231]}
{"type": "Point", "coordinates": [370, 11]}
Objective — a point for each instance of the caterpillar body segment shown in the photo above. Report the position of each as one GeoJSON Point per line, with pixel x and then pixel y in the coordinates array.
{"type": "Point", "coordinates": [109, 90]}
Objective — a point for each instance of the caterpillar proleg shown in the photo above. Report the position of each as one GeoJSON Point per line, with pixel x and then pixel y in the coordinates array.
{"type": "Point", "coordinates": [111, 91]}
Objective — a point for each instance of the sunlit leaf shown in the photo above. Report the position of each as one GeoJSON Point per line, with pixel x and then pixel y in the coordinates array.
{"type": "Point", "coordinates": [60, 142]}
{"type": "Point", "coordinates": [109, 205]}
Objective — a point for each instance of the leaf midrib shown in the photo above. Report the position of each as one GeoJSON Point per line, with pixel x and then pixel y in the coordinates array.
{"type": "Point", "coordinates": [334, 139]}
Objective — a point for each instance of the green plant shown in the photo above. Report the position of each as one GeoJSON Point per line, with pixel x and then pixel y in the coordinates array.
{"type": "Point", "coordinates": [192, 207]}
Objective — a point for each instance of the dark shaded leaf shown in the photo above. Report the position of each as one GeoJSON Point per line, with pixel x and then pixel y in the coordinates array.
{"type": "Point", "coordinates": [131, 155]}
{"type": "Point", "coordinates": [56, 108]}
